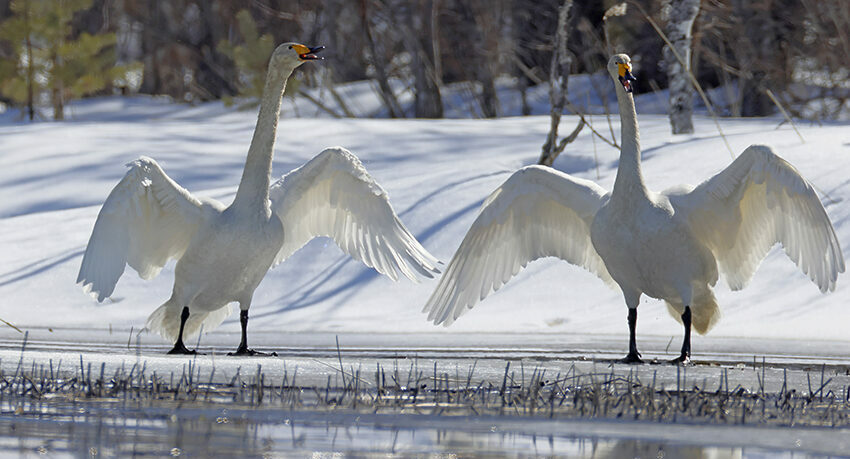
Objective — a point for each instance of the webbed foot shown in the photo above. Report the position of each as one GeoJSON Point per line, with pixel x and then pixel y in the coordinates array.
{"type": "Point", "coordinates": [632, 357]}
{"type": "Point", "coordinates": [180, 348]}
{"type": "Point", "coordinates": [683, 359]}
{"type": "Point", "coordinates": [244, 351]}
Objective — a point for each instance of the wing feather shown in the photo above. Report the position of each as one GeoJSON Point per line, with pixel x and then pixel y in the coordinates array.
{"type": "Point", "coordinates": [757, 201]}
{"type": "Point", "coordinates": [537, 212]}
{"type": "Point", "coordinates": [146, 220]}
{"type": "Point", "coordinates": [332, 195]}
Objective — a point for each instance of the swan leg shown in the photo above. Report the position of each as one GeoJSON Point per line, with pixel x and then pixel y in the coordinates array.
{"type": "Point", "coordinates": [685, 357]}
{"type": "Point", "coordinates": [243, 344]}
{"type": "Point", "coordinates": [179, 347]}
{"type": "Point", "coordinates": [633, 355]}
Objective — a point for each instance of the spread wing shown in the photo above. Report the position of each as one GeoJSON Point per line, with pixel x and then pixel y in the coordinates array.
{"type": "Point", "coordinates": [332, 195]}
{"type": "Point", "coordinates": [537, 212]}
{"type": "Point", "coordinates": [146, 220]}
{"type": "Point", "coordinates": [759, 200]}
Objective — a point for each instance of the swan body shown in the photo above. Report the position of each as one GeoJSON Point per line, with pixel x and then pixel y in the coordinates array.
{"type": "Point", "coordinates": [671, 245]}
{"type": "Point", "coordinates": [224, 252]}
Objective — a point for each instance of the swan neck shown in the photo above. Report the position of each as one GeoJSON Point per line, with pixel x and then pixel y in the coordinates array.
{"type": "Point", "coordinates": [256, 177]}
{"type": "Point", "coordinates": [629, 179]}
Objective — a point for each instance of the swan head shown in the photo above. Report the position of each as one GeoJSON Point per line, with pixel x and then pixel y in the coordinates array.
{"type": "Point", "coordinates": [620, 68]}
{"type": "Point", "coordinates": [291, 55]}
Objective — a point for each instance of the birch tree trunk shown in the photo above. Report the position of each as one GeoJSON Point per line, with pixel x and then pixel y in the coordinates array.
{"type": "Point", "coordinates": [682, 14]}
{"type": "Point", "coordinates": [559, 74]}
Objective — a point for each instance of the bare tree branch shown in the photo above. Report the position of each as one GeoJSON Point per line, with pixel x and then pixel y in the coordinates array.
{"type": "Point", "coordinates": [559, 74]}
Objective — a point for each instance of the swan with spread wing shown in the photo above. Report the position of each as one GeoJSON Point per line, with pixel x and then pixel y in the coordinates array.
{"type": "Point", "coordinates": [224, 252]}
{"type": "Point", "coordinates": [671, 245]}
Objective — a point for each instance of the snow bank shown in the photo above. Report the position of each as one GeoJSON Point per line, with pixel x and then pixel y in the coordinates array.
{"type": "Point", "coordinates": [54, 176]}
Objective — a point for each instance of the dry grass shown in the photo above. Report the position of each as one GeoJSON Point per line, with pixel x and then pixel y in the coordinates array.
{"type": "Point", "coordinates": [415, 390]}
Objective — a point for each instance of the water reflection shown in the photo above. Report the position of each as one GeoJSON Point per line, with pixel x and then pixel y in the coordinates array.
{"type": "Point", "coordinates": [104, 428]}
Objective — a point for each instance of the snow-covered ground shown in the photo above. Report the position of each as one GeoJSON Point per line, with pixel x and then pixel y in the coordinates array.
{"type": "Point", "coordinates": [55, 176]}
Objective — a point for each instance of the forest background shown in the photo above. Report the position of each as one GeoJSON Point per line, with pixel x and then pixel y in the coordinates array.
{"type": "Point", "coordinates": [765, 56]}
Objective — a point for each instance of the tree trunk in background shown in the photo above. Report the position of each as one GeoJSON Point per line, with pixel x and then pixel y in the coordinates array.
{"type": "Point", "coordinates": [486, 16]}
{"type": "Point", "coordinates": [559, 74]}
{"type": "Point", "coordinates": [489, 99]}
{"type": "Point", "coordinates": [746, 46]}
{"type": "Point", "coordinates": [57, 98]}
{"type": "Point", "coordinates": [427, 102]}
{"type": "Point", "coordinates": [680, 21]}
{"type": "Point", "coordinates": [216, 74]}
{"type": "Point", "coordinates": [340, 31]}
{"type": "Point", "coordinates": [30, 69]}
{"type": "Point", "coordinates": [759, 56]}
{"type": "Point", "coordinates": [379, 62]}
{"type": "Point", "coordinates": [532, 25]}
{"type": "Point", "coordinates": [179, 42]}
{"type": "Point", "coordinates": [150, 73]}
{"type": "Point", "coordinates": [8, 51]}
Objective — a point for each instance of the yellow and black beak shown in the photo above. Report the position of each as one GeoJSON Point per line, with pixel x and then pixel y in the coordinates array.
{"type": "Point", "coordinates": [626, 78]}
{"type": "Point", "coordinates": [306, 53]}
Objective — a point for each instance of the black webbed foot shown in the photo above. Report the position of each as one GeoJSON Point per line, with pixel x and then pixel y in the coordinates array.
{"type": "Point", "coordinates": [632, 357]}
{"type": "Point", "coordinates": [244, 351]}
{"type": "Point", "coordinates": [180, 349]}
{"type": "Point", "coordinates": [683, 359]}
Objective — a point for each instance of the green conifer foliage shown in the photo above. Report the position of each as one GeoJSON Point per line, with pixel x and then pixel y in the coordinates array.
{"type": "Point", "coordinates": [18, 78]}
{"type": "Point", "coordinates": [251, 59]}
{"type": "Point", "coordinates": [54, 67]}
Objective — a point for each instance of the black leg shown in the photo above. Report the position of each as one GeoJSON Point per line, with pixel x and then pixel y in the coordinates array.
{"type": "Point", "coordinates": [179, 347]}
{"type": "Point", "coordinates": [685, 357]}
{"type": "Point", "coordinates": [243, 344]}
{"type": "Point", "coordinates": [243, 320]}
{"type": "Point", "coordinates": [634, 355]}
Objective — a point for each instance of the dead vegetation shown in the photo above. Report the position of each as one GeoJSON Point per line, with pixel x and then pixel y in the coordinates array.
{"type": "Point", "coordinates": [410, 389]}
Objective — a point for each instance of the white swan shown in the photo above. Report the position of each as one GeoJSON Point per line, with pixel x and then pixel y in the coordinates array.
{"type": "Point", "coordinates": [667, 245]}
{"type": "Point", "coordinates": [224, 252]}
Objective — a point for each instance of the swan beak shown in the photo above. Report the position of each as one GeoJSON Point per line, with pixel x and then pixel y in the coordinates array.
{"type": "Point", "coordinates": [309, 54]}
{"type": "Point", "coordinates": [626, 78]}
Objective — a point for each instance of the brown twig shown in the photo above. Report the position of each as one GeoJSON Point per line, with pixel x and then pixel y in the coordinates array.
{"type": "Point", "coordinates": [784, 113]}
{"type": "Point", "coordinates": [11, 325]}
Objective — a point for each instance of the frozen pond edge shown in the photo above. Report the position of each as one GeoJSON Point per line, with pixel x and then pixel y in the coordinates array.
{"type": "Point", "coordinates": [318, 362]}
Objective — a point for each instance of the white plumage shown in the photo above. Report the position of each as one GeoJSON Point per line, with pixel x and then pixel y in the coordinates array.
{"type": "Point", "coordinates": [145, 221]}
{"type": "Point", "coordinates": [224, 252]}
{"type": "Point", "coordinates": [538, 212]}
{"type": "Point", "coordinates": [671, 245]}
{"type": "Point", "coordinates": [332, 195]}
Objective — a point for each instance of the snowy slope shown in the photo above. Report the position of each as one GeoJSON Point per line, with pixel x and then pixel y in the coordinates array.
{"type": "Point", "coordinates": [54, 176]}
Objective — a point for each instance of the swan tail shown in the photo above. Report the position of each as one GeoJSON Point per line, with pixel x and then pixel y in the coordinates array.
{"type": "Point", "coordinates": [210, 320]}
{"type": "Point", "coordinates": [704, 312]}
{"type": "Point", "coordinates": [165, 321]}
